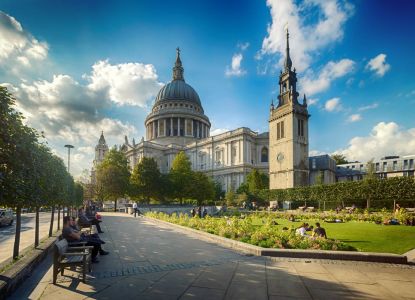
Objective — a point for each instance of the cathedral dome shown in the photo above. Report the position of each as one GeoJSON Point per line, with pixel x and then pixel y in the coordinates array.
{"type": "Point", "coordinates": [177, 90]}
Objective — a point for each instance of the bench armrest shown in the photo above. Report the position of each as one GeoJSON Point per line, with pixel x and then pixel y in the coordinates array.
{"type": "Point", "coordinates": [81, 248]}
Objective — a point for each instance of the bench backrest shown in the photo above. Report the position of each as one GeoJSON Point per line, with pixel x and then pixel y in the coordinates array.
{"type": "Point", "coordinates": [61, 246]}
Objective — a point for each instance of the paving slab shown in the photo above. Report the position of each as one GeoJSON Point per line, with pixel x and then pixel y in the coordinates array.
{"type": "Point", "coordinates": [154, 261]}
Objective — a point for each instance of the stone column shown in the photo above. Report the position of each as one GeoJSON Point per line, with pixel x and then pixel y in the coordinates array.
{"type": "Point", "coordinates": [171, 126]}
{"type": "Point", "coordinates": [154, 129]}
{"type": "Point", "coordinates": [178, 126]}
{"type": "Point", "coordinates": [191, 120]}
{"type": "Point", "coordinates": [165, 127]}
{"type": "Point", "coordinates": [197, 129]}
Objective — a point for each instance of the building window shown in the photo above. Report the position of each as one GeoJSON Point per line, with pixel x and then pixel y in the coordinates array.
{"type": "Point", "coordinates": [377, 167]}
{"type": "Point", "coordinates": [300, 127]}
{"type": "Point", "coordinates": [385, 166]}
{"type": "Point", "coordinates": [411, 164]}
{"type": "Point", "coordinates": [218, 155]}
{"type": "Point", "coordinates": [280, 130]}
{"type": "Point", "coordinates": [395, 165]}
{"type": "Point", "coordinates": [405, 164]}
{"type": "Point", "coordinates": [264, 154]}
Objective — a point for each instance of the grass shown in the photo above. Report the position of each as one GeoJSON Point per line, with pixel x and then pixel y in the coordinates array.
{"type": "Point", "coordinates": [366, 237]}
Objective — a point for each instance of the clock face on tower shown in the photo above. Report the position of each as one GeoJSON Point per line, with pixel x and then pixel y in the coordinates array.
{"type": "Point", "coordinates": [280, 157]}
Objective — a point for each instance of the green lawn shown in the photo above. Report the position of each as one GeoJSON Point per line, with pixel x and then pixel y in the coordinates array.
{"type": "Point", "coordinates": [368, 237]}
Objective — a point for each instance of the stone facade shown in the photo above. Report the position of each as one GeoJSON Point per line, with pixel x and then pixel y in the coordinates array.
{"type": "Point", "coordinates": [177, 123]}
{"type": "Point", "coordinates": [288, 133]}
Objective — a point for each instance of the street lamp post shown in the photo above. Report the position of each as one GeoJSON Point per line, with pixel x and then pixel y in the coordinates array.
{"type": "Point", "coordinates": [69, 154]}
{"type": "Point", "coordinates": [69, 161]}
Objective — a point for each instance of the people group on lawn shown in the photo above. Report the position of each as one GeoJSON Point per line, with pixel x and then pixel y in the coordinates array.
{"type": "Point", "coordinates": [72, 233]}
{"type": "Point", "coordinates": [315, 232]}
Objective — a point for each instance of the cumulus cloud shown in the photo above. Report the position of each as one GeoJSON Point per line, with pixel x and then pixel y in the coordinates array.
{"type": "Point", "coordinates": [305, 38]}
{"type": "Point", "coordinates": [312, 84]}
{"type": "Point", "coordinates": [354, 118]}
{"type": "Point", "coordinates": [18, 48]}
{"type": "Point", "coordinates": [378, 65]}
{"type": "Point", "coordinates": [384, 139]}
{"type": "Point", "coordinates": [235, 69]}
{"type": "Point", "coordinates": [312, 101]}
{"type": "Point", "coordinates": [128, 83]}
{"type": "Point", "coordinates": [333, 104]}
{"type": "Point", "coordinates": [368, 107]}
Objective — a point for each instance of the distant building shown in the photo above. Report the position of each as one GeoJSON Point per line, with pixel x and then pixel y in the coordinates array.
{"type": "Point", "coordinates": [386, 167]}
{"type": "Point", "coordinates": [100, 150]}
{"type": "Point", "coordinates": [322, 169]}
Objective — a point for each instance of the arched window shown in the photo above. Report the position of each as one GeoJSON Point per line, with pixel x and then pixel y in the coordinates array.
{"type": "Point", "coordinates": [264, 154]}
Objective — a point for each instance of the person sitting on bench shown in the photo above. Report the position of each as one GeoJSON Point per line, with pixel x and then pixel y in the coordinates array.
{"type": "Point", "coordinates": [85, 220]}
{"type": "Point", "coordinates": [90, 236]}
{"type": "Point", "coordinates": [73, 236]}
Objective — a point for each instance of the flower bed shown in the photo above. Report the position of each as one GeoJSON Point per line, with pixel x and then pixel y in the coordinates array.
{"type": "Point", "coordinates": [244, 229]}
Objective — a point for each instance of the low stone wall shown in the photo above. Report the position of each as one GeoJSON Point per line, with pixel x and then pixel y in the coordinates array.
{"type": "Point", "coordinates": [293, 253]}
{"type": "Point", "coordinates": [20, 270]}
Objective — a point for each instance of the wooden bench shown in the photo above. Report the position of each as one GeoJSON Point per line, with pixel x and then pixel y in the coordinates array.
{"type": "Point", "coordinates": [64, 256]}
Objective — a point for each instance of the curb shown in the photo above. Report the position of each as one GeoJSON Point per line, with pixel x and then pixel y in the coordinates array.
{"type": "Point", "coordinates": [292, 253]}
{"type": "Point", "coordinates": [20, 270]}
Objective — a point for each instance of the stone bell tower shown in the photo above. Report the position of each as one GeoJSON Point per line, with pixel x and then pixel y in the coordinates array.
{"type": "Point", "coordinates": [288, 133]}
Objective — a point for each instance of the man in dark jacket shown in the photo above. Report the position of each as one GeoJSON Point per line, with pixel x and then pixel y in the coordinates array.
{"type": "Point", "coordinates": [85, 220]}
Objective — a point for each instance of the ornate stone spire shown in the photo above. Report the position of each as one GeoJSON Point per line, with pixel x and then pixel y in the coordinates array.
{"type": "Point", "coordinates": [178, 69]}
{"type": "Point", "coordinates": [287, 63]}
{"type": "Point", "coordinates": [102, 139]}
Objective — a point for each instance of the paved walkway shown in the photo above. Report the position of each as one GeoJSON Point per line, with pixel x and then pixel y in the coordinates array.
{"type": "Point", "coordinates": [149, 261]}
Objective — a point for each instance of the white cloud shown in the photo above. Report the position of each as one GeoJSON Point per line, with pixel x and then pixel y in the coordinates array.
{"type": "Point", "coordinates": [128, 83]}
{"type": "Point", "coordinates": [378, 65]}
{"type": "Point", "coordinates": [217, 131]}
{"type": "Point", "coordinates": [368, 107]}
{"type": "Point", "coordinates": [312, 101]}
{"type": "Point", "coordinates": [304, 38]}
{"type": "Point", "coordinates": [243, 46]}
{"type": "Point", "coordinates": [316, 153]}
{"type": "Point", "coordinates": [311, 85]}
{"type": "Point", "coordinates": [333, 104]}
{"type": "Point", "coordinates": [354, 118]}
{"type": "Point", "coordinates": [235, 69]}
{"type": "Point", "coordinates": [18, 48]}
{"type": "Point", "coordinates": [384, 139]}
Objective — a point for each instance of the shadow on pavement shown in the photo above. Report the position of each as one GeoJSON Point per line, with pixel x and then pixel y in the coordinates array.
{"type": "Point", "coordinates": [155, 262]}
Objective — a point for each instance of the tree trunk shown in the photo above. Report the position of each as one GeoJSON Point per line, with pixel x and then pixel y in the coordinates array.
{"type": "Point", "coordinates": [115, 205]}
{"type": "Point", "coordinates": [37, 227]}
{"type": "Point", "coordinates": [52, 220]}
{"type": "Point", "coordinates": [368, 203]}
{"type": "Point", "coordinates": [59, 217]}
{"type": "Point", "coordinates": [17, 235]}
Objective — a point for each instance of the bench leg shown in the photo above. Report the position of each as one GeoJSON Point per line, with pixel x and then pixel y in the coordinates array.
{"type": "Point", "coordinates": [84, 270]}
{"type": "Point", "coordinates": [62, 269]}
{"type": "Point", "coordinates": [55, 273]}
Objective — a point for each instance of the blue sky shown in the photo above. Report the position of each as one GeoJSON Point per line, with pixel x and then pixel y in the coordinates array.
{"type": "Point", "coordinates": [84, 66]}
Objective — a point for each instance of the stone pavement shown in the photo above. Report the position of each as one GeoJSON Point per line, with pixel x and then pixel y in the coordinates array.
{"type": "Point", "coordinates": [149, 261]}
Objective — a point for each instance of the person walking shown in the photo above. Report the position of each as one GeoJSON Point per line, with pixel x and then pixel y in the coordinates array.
{"type": "Point", "coordinates": [135, 208]}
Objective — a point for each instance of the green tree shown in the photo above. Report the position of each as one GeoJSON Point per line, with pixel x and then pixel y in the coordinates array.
{"type": "Point", "coordinates": [146, 179]}
{"type": "Point", "coordinates": [257, 181]}
{"type": "Point", "coordinates": [113, 175]}
{"type": "Point", "coordinates": [230, 198]}
{"type": "Point", "coordinates": [17, 147]}
{"type": "Point", "coordinates": [181, 176]}
{"type": "Point", "coordinates": [340, 159]}
{"type": "Point", "coordinates": [202, 188]}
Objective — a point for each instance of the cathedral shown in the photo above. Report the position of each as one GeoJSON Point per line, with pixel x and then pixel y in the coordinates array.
{"type": "Point", "coordinates": [177, 122]}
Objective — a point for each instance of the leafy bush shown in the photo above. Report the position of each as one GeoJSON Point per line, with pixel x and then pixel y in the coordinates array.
{"type": "Point", "coordinates": [243, 229]}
